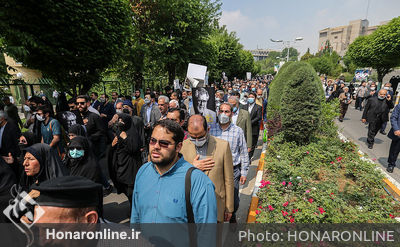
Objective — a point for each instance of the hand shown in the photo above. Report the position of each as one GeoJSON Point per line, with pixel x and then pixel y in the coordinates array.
{"type": "Point", "coordinates": [364, 120]}
{"type": "Point", "coordinates": [142, 149]}
{"type": "Point", "coordinates": [8, 159]}
{"type": "Point", "coordinates": [243, 180]}
{"type": "Point", "coordinates": [85, 121]}
{"type": "Point", "coordinates": [113, 120]}
{"type": "Point", "coordinates": [388, 97]}
{"type": "Point", "coordinates": [204, 165]}
{"type": "Point", "coordinates": [114, 142]}
{"type": "Point", "coordinates": [397, 132]}
{"type": "Point", "coordinates": [103, 115]}
{"type": "Point", "coordinates": [248, 150]}
{"type": "Point", "coordinates": [227, 216]}
{"type": "Point", "coordinates": [123, 135]}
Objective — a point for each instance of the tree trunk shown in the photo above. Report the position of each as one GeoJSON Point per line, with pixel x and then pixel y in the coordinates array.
{"type": "Point", "coordinates": [381, 73]}
{"type": "Point", "coordinates": [171, 73]}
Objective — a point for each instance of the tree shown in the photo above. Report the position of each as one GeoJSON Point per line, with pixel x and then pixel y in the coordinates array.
{"type": "Point", "coordinates": [301, 104]}
{"type": "Point", "coordinates": [293, 54]}
{"type": "Point", "coordinates": [71, 42]}
{"type": "Point", "coordinates": [177, 31]}
{"type": "Point", "coordinates": [379, 50]}
{"type": "Point", "coordinates": [307, 55]}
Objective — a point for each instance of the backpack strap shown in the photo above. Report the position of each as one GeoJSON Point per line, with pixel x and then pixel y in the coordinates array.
{"type": "Point", "coordinates": [188, 187]}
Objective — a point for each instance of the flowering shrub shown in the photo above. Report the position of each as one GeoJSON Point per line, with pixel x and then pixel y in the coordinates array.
{"type": "Point", "coordinates": [322, 182]}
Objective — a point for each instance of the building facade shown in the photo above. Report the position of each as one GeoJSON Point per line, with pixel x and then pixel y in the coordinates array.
{"type": "Point", "coordinates": [339, 38]}
{"type": "Point", "coordinates": [260, 54]}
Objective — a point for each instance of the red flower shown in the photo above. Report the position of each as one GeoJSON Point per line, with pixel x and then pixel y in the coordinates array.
{"type": "Point", "coordinates": [295, 210]}
{"type": "Point", "coordinates": [310, 200]}
{"type": "Point", "coordinates": [321, 210]}
{"type": "Point", "coordinates": [258, 211]}
{"type": "Point", "coordinates": [260, 207]}
{"type": "Point", "coordinates": [284, 213]}
{"type": "Point", "coordinates": [391, 216]}
{"type": "Point", "coordinates": [307, 152]}
{"type": "Point", "coordinates": [332, 162]}
{"type": "Point", "coordinates": [285, 204]}
{"type": "Point", "coordinates": [270, 208]}
{"type": "Point", "coordinates": [291, 220]}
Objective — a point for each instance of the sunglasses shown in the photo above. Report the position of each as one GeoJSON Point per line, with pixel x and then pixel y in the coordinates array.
{"type": "Point", "coordinates": [80, 103]}
{"type": "Point", "coordinates": [162, 143]}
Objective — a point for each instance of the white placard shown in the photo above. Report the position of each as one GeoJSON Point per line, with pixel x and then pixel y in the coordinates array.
{"type": "Point", "coordinates": [248, 75]}
{"type": "Point", "coordinates": [196, 71]}
{"type": "Point", "coordinates": [176, 84]}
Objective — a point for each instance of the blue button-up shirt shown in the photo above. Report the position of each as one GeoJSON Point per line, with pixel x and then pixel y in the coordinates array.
{"type": "Point", "coordinates": [148, 112]}
{"type": "Point", "coordinates": [237, 142]}
{"type": "Point", "coordinates": [161, 198]}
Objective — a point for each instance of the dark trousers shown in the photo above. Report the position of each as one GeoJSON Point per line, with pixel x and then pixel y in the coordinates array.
{"type": "Point", "coordinates": [394, 152]}
{"type": "Point", "coordinates": [343, 110]}
{"type": "Point", "coordinates": [128, 191]}
{"type": "Point", "coordinates": [236, 183]}
{"type": "Point", "coordinates": [359, 101]}
{"type": "Point", "coordinates": [373, 129]}
{"type": "Point", "coordinates": [253, 145]}
{"type": "Point", "coordinates": [383, 126]}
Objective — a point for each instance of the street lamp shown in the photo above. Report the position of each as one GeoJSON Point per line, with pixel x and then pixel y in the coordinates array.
{"type": "Point", "coordinates": [287, 43]}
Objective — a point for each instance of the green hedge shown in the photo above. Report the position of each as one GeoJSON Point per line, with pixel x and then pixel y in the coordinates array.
{"type": "Point", "coordinates": [301, 101]}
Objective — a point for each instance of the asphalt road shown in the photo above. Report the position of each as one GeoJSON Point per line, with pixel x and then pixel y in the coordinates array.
{"type": "Point", "coordinates": [356, 131]}
{"type": "Point", "coordinates": [117, 208]}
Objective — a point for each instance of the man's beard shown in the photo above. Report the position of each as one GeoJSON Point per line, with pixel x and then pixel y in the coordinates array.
{"type": "Point", "coordinates": [164, 162]}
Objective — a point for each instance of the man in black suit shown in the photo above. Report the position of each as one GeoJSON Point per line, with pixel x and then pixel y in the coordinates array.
{"type": "Point", "coordinates": [376, 112]}
{"type": "Point", "coordinates": [255, 116]}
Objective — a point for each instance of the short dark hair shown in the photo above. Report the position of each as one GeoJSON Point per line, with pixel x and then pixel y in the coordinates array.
{"type": "Point", "coordinates": [36, 99]}
{"type": "Point", "coordinates": [152, 95]}
{"type": "Point", "coordinates": [95, 94]}
{"type": "Point", "coordinates": [45, 109]}
{"type": "Point", "coordinates": [254, 94]}
{"type": "Point", "coordinates": [72, 101]}
{"type": "Point", "coordinates": [85, 97]}
{"type": "Point", "coordinates": [105, 95]}
{"type": "Point", "coordinates": [173, 127]}
{"type": "Point", "coordinates": [115, 93]}
{"type": "Point", "coordinates": [205, 125]}
{"type": "Point", "coordinates": [181, 113]}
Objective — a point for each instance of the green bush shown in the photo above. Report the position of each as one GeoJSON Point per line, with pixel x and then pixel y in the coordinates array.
{"type": "Point", "coordinates": [277, 86]}
{"type": "Point", "coordinates": [301, 104]}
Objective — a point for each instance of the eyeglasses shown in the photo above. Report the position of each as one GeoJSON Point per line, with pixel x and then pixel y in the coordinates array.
{"type": "Point", "coordinates": [162, 143]}
{"type": "Point", "coordinates": [80, 103]}
{"type": "Point", "coordinates": [226, 111]}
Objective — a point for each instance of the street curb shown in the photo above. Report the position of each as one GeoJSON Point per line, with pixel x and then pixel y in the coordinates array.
{"type": "Point", "coordinates": [251, 216]}
{"type": "Point", "coordinates": [391, 185]}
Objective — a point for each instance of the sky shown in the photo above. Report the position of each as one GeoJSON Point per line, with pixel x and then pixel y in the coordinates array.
{"type": "Point", "coordinates": [257, 21]}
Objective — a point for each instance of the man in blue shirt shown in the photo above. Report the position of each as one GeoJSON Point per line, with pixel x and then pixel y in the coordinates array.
{"type": "Point", "coordinates": [50, 129]}
{"type": "Point", "coordinates": [159, 191]}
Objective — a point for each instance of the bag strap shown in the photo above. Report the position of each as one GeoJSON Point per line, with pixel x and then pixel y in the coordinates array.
{"type": "Point", "coordinates": [188, 187]}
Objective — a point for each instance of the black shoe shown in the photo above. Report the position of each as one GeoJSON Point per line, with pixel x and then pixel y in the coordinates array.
{"type": "Point", "coordinates": [383, 132]}
{"type": "Point", "coordinates": [389, 169]}
{"type": "Point", "coordinates": [340, 120]}
{"type": "Point", "coordinates": [107, 191]}
{"type": "Point", "coordinates": [370, 145]}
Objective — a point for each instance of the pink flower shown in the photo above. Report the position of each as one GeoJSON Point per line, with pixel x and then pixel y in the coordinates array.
{"type": "Point", "coordinates": [258, 211]}
{"type": "Point", "coordinates": [332, 162]}
{"type": "Point", "coordinates": [321, 210]}
{"type": "Point", "coordinates": [284, 213]}
{"type": "Point", "coordinates": [290, 183]}
{"type": "Point", "coordinates": [283, 183]}
{"type": "Point", "coordinates": [307, 152]}
{"type": "Point", "coordinates": [285, 204]}
{"type": "Point", "coordinates": [267, 182]}
{"type": "Point", "coordinates": [310, 200]}
{"type": "Point", "coordinates": [270, 208]}
{"type": "Point", "coordinates": [307, 191]}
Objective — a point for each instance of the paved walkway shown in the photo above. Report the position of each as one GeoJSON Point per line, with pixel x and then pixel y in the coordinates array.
{"type": "Point", "coordinates": [355, 130]}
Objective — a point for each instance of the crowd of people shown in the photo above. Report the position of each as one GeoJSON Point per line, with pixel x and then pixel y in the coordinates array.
{"type": "Point", "coordinates": [375, 106]}
{"type": "Point", "coordinates": [150, 145]}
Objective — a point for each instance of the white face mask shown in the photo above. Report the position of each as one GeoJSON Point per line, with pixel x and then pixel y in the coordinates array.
{"type": "Point", "coordinates": [223, 119]}
{"type": "Point", "coordinates": [40, 118]}
{"type": "Point", "coordinates": [118, 111]}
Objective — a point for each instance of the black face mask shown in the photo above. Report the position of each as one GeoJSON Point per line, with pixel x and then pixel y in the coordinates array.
{"type": "Point", "coordinates": [122, 126]}
{"type": "Point", "coordinates": [22, 146]}
{"type": "Point", "coordinates": [126, 111]}
{"type": "Point", "coordinates": [33, 108]}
